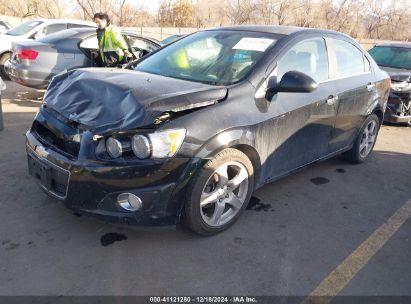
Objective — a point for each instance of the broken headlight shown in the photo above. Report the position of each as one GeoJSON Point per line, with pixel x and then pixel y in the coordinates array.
{"type": "Point", "coordinates": [116, 147]}
{"type": "Point", "coordinates": [141, 146]}
{"type": "Point", "coordinates": [166, 143]}
{"type": "Point", "coordinates": [160, 144]}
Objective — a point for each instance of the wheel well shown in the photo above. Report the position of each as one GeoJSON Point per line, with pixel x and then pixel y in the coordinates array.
{"type": "Point", "coordinates": [6, 52]}
{"type": "Point", "coordinates": [380, 114]}
{"type": "Point", "coordinates": [254, 158]}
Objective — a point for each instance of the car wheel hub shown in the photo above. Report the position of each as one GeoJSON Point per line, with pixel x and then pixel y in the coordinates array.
{"type": "Point", "coordinates": [224, 194]}
{"type": "Point", "coordinates": [368, 138]}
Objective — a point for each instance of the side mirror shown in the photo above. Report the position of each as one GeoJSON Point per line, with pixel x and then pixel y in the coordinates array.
{"type": "Point", "coordinates": [292, 82]}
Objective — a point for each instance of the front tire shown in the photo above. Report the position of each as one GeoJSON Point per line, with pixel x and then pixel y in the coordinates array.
{"type": "Point", "coordinates": [3, 60]}
{"type": "Point", "coordinates": [365, 141]}
{"type": "Point", "coordinates": [219, 193]}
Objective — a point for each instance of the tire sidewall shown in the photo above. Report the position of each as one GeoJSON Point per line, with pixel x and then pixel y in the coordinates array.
{"type": "Point", "coordinates": [3, 59]}
{"type": "Point", "coordinates": [192, 214]}
{"type": "Point", "coordinates": [357, 144]}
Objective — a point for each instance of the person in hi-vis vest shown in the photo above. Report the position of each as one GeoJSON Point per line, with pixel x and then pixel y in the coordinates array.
{"type": "Point", "coordinates": [113, 49]}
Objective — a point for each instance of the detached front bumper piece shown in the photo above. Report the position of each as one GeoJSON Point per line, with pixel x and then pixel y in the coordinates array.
{"type": "Point", "coordinates": [398, 108]}
{"type": "Point", "coordinates": [97, 188]}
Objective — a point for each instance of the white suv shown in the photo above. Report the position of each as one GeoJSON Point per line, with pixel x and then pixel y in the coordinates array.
{"type": "Point", "coordinates": [34, 29]}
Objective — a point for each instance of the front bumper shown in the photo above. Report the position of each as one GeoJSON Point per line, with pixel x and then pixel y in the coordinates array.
{"type": "Point", "coordinates": [389, 116]}
{"type": "Point", "coordinates": [398, 108]}
{"type": "Point", "coordinates": [92, 187]}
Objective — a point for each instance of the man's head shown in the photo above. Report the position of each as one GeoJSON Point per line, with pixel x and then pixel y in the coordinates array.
{"type": "Point", "coordinates": [102, 20]}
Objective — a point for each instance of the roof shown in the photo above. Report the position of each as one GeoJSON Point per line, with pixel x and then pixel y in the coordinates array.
{"type": "Point", "coordinates": [75, 21]}
{"type": "Point", "coordinates": [83, 31]}
{"type": "Point", "coordinates": [396, 44]}
{"type": "Point", "coordinates": [275, 29]}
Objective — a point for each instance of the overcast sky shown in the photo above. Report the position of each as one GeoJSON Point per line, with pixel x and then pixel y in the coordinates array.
{"type": "Point", "coordinates": [152, 5]}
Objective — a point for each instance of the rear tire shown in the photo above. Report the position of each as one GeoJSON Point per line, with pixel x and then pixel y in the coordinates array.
{"type": "Point", "coordinates": [219, 193]}
{"type": "Point", "coordinates": [3, 59]}
{"type": "Point", "coordinates": [365, 141]}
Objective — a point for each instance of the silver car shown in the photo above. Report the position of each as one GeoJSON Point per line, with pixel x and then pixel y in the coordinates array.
{"type": "Point", "coordinates": [35, 63]}
{"type": "Point", "coordinates": [34, 29]}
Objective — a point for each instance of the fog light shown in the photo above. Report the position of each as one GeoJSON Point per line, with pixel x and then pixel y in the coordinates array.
{"type": "Point", "coordinates": [129, 201]}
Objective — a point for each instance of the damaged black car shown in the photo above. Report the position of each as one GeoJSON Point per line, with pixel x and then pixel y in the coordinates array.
{"type": "Point", "coordinates": [395, 58]}
{"type": "Point", "coordinates": [195, 127]}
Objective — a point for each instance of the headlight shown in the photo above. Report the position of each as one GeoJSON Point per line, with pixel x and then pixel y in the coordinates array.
{"type": "Point", "coordinates": [116, 147]}
{"type": "Point", "coordinates": [141, 146]}
{"type": "Point", "coordinates": [166, 143]}
{"type": "Point", "coordinates": [155, 145]}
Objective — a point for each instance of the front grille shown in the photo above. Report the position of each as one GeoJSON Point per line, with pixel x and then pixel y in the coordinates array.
{"type": "Point", "coordinates": [50, 139]}
{"type": "Point", "coordinates": [59, 188]}
{"type": "Point", "coordinates": [52, 178]}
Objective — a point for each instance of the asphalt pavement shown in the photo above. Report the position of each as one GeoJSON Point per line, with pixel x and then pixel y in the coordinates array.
{"type": "Point", "coordinates": [332, 222]}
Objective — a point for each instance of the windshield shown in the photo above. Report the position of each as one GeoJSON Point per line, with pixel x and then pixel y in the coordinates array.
{"type": "Point", "coordinates": [213, 57]}
{"type": "Point", "coordinates": [24, 28]}
{"type": "Point", "coordinates": [393, 57]}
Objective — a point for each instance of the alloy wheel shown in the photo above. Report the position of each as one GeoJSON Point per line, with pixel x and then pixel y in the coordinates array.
{"type": "Point", "coordinates": [224, 194]}
{"type": "Point", "coordinates": [368, 138]}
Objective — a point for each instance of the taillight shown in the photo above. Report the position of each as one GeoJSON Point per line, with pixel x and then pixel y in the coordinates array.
{"type": "Point", "coordinates": [27, 54]}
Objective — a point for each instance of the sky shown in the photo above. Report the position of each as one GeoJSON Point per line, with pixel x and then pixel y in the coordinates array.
{"type": "Point", "coordinates": [152, 5]}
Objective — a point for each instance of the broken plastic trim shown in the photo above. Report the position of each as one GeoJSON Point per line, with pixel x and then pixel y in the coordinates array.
{"type": "Point", "coordinates": [193, 106]}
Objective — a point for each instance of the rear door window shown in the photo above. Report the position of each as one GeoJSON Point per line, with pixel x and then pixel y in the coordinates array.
{"type": "Point", "coordinates": [309, 57]}
{"type": "Point", "coordinates": [73, 25]}
{"type": "Point", "coordinates": [54, 28]}
{"type": "Point", "coordinates": [138, 44]}
{"type": "Point", "coordinates": [349, 60]}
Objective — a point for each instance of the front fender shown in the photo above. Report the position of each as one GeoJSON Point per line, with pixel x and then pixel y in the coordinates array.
{"type": "Point", "coordinates": [225, 139]}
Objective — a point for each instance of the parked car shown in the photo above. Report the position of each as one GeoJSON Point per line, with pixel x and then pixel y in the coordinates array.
{"type": "Point", "coordinates": [187, 136]}
{"type": "Point", "coordinates": [34, 29]}
{"type": "Point", "coordinates": [35, 63]}
{"type": "Point", "coordinates": [395, 58]}
{"type": "Point", "coordinates": [4, 26]}
{"type": "Point", "coordinates": [172, 38]}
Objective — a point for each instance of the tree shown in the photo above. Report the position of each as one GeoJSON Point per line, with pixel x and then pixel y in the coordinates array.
{"type": "Point", "coordinates": [238, 11]}
{"type": "Point", "coordinates": [183, 13]}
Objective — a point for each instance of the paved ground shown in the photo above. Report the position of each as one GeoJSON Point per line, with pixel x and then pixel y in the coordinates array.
{"type": "Point", "coordinates": [302, 229]}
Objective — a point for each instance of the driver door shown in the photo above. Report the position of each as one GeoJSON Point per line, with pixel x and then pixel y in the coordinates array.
{"type": "Point", "coordinates": [304, 121]}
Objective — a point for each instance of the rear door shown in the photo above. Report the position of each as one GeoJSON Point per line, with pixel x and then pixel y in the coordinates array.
{"type": "Point", "coordinates": [355, 87]}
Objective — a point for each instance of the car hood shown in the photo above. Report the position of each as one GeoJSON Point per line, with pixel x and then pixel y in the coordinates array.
{"type": "Point", "coordinates": [107, 100]}
{"type": "Point", "coordinates": [400, 79]}
{"type": "Point", "coordinates": [395, 71]}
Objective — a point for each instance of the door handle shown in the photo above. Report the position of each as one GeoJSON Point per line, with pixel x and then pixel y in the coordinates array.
{"type": "Point", "coordinates": [331, 100]}
{"type": "Point", "coordinates": [370, 86]}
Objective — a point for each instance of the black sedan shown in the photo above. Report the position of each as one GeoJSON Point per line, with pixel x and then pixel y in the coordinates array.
{"type": "Point", "coordinates": [198, 125]}
{"type": "Point", "coordinates": [395, 58]}
{"type": "Point", "coordinates": [35, 63]}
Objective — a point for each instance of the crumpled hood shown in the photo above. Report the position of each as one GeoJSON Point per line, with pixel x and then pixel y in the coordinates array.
{"type": "Point", "coordinates": [400, 79]}
{"type": "Point", "coordinates": [116, 100]}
